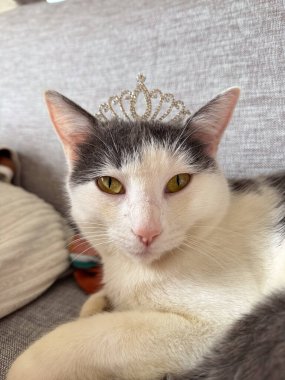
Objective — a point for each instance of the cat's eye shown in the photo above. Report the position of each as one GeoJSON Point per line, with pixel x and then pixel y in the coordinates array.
{"type": "Point", "coordinates": [110, 185]}
{"type": "Point", "coordinates": [177, 183]}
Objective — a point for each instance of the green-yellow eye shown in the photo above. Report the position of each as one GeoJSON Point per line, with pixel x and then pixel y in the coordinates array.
{"type": "Point", "coordinates": [110, 185]}
{"type": "Point", "coordinates": [177, 183]}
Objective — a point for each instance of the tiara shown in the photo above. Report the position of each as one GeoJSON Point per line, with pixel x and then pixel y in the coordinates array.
{"type": "Point", "coordinates": [142, 104]}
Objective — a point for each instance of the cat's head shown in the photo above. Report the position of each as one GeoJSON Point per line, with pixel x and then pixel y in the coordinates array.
{"type": "Point", "coordinates": [141, 189]}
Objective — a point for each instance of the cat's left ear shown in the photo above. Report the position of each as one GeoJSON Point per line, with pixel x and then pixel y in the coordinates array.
{"type": "Point", "coordinates": [72, 123]}
{"type": "Point", "coordinates": [210, 121]}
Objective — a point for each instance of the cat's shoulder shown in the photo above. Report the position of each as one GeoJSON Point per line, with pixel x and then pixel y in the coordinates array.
{"type": "Point", "coordinates": [265, 192]}
{"type": "Point", "coordinates": [274, 181]}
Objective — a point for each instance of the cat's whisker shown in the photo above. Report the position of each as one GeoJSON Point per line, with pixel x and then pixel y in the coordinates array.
{"type": "Point", "coordinates": [85, 240]}
{"type": "Point", "coordinates": [72, 242]}
{"type": "Point", "coordinates": [79, 239]}
{"type": "Point", "coordinates": [95, 222]}
{"type": "Point", "coordinates": [78, 254]}
{"type": "Point", "coordinates": [94, 227]}
{"type": "Point", "coordinates": [207, 254]}
{"type": "Point", "coordinates": [101, 243]}
{"type": "Point", "coordinates": [91, 222]}
{"type": "Point", "coordinates": [228, 230]}
{"type": "Point", "coordinates": [91, 232]}
{"type": "Point", "coordinates": [217, 251]}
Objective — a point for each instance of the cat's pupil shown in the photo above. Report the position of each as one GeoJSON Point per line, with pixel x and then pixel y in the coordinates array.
{"type": "Point", "coordinates": [110, 182]}
{"type": "Point", "coordinates": [178, 180]}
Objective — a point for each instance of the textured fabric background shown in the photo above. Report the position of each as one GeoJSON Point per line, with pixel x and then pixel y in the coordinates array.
{"type": "Point", "coordinates": [60, 303]}
{"type": "Point", "coordinates": [91, 49]}
{"type": "Point", "coordinates": [33, 253]}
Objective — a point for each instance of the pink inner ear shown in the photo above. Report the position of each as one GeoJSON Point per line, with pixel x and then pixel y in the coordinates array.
{"type": "Point", "coordinates": [70, 125]}
{"type": "Point", "coordinates": [209, 142]}
{"type": "Point", "coordinates": [71, 142]}
{"type": "Point", "coordinates": [212, 120]}
{"type": "Point", "coordinates": [70, 149]}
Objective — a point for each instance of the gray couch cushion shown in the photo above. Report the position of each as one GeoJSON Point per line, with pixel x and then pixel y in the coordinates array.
{"type": "Point", "coordinates": [91, 49]}
{"type": "Point", "coordinates": [59, 304]}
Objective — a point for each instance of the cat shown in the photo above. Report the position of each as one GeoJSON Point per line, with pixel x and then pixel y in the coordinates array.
{"type": "Point", "coordinates": [253, 349]}
{"type": "Point", "coordinates": [186, 253]}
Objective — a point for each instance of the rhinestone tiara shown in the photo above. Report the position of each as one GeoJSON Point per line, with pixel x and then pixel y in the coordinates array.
{"type": "Point", "coordinates": [143, 104]}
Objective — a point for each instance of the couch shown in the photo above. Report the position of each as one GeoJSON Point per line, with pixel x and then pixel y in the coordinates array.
{"type": "Point", "coordinates": [91, 49]}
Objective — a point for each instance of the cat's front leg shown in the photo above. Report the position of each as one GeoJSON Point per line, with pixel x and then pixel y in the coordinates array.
{"type": "Point", "coordinates": [129, 345]}
{"type": "Point", "coordinates": [95, 304]}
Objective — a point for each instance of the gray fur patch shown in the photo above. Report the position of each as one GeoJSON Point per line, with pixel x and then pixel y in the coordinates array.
{"type": "Point", "coordinates": [277, 181]}
{"type": "Point", "coordinates": [244, 185]}
{"type": "Point", "coordinates": [117, 141]}
{"type": "Point", "coordinates": [254, 349]}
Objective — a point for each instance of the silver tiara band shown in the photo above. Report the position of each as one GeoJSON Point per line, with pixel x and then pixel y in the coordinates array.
{"type": "Point", "coordinates": [155, 105]}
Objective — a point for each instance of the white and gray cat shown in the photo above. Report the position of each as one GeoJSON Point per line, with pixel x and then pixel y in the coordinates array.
{"type": "Point", "coordinates": [186, 253]}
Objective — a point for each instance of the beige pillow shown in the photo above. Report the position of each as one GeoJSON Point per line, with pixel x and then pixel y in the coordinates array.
{"type": "Point", "coordinates": [33, 253]}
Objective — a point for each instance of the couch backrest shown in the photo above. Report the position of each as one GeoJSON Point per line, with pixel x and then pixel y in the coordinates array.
{"type": "Point", "coordinates": [89, 50]}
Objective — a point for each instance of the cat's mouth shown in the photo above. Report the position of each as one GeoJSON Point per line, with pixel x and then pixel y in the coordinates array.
{"type": "Point", "coordinates": [145, 251]}
{"type": "Point", "coordinates": [147, 254]}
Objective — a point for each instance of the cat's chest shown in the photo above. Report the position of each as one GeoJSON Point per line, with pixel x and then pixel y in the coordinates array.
{"type": "Point", "coordinates": [183, 291]}
{"type": "Point", "coordinates": [210, 301]}
{"type": "Point", "coordinates": [221, 278]}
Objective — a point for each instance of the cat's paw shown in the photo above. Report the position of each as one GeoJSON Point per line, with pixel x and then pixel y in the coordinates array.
{"type": "Point", "coordinates": [95, 304]}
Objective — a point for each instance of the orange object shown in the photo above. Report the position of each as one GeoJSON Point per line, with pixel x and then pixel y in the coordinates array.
{"type": "Point", "coordinates": [89, 280]}
{"type": "Point", "coordinates": [81, 246]}
{"type": "Point", "coordinates": [88, 271]}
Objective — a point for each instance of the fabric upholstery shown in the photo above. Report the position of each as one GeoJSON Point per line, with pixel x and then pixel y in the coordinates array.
{"type": "Point", "coordinates": [91, 49]}
{"type": "Point", "coordinates": [61, 303]}
{"type": "Point", "coordinates": [33, 247]}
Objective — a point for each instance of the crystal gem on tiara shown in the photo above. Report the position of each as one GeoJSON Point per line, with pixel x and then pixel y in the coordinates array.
{"type": "Point", "coordinates": [155, 105]}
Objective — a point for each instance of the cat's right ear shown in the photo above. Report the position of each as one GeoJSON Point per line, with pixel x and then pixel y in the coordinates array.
{"type": "Point", "coordinates": [72, 123]}
{"type": "Point", "coordinates": [209, 122]}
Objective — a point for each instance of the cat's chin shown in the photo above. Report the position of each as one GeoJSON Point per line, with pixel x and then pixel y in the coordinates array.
{"type": "Point", "coordinates": [146, 255]}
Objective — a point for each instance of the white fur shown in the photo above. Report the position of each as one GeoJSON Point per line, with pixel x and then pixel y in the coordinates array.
{"type": "Point", "coordinates": [215, 258]}
{"type": "Point", "coordinates": [213, 261]}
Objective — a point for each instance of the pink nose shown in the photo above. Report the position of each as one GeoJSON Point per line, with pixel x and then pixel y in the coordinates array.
{"type": "Point", "coordinates": [147, 235]}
